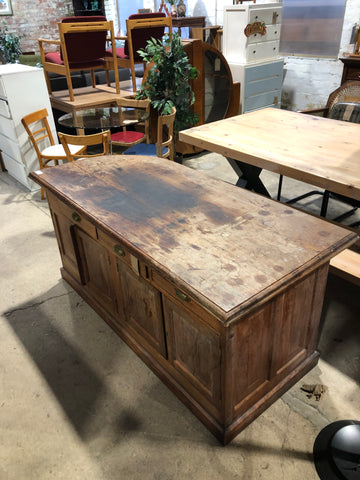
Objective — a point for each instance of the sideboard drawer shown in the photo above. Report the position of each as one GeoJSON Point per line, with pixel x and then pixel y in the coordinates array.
{"type": "Point", "coordinates": [186, 301]}
{"type": "Point", "coordinates": [72, 214]}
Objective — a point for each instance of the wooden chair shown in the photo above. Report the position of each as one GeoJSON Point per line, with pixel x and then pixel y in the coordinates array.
{"type": "Point", "coordinates": [71, 141]}
{"type": "Point", "coordinates": [83, 42]}
{"type": "Point", "coordinates": [140, 28]}
{"type": "Point", "coordinates": [128, 138]}
{"type": "Point", "coordinates": [343, 104]}
{"type": "Point", "coordinates": [164, 147]}
{"type": "Point", "coordinates": [38, 129]}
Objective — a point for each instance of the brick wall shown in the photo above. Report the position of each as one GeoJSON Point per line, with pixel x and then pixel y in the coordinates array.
{"type": "Point", "coordinates": [35, 19]}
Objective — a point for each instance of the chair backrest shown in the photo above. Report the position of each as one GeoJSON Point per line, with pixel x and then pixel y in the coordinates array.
{"type": "Point", "coordinates": [347, 92]}
{"type": "Point", "coordinates": [165, 135]}
{"type": "Point", "coordinates": [345, 111]}
{"type": "Point", "coordinates": [84, 38]}
{"type": "Point", "coordinates": [101, 138]}
{"type": "Point", "coordinates": [131, 102]}
{"type": "Point", "coordinates": [141, 27]}
{"type": "Point", "coordinates": [38, 129]}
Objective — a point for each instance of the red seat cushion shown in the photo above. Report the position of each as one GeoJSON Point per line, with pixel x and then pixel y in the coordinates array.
{"type": "Point", "coordinates": [120, 52]}
{"type": "Point", "coordinates": [127, 137]}
{"type": "Point", "coordinates": [55, 57]}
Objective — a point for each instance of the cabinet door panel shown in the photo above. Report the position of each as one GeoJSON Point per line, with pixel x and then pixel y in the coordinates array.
{"type": "Point", "coordinates": [96, 272]}
{"type": "Point", "coordinates": [141, 305]}
{"type": "Point", "coordinates": [193, 349]}
{"type": "Point", "coordinates": [63, 227]}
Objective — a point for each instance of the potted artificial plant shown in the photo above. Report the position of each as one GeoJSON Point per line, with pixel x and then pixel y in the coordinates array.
{"type": "Point", "coordinates": [167, 81]}
{"type": "Point", "coordinates": [9, 45]}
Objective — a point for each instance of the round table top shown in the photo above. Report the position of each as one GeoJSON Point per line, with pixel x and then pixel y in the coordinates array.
{"type": "Point", "coordinates": [103, 118]}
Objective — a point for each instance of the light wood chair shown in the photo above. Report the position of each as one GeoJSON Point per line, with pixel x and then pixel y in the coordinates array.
{"type": "Point", "coordinates": [71, 141]}
{"type": "Point", "coordinates": [140, 28]}
{"type": "Point", "coordinates": [82, 46]}
{"type": "Point", "coordinates": [128, 138]}
{"type": "Point", "coordinates": [164, 146]}
{"type": "Point", "coordinates": [37, 127]}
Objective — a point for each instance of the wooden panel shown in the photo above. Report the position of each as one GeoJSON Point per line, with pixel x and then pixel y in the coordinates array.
{"type": "Point", "coordinates": [293, 313]}
{"type": "Point", "coordinates": [141, 306]}
{"type": "Point", "coordinates": [251, 348]}
{"type": "Point", "coordinates": [194, 350]}
{"type": "Point", "coordinates": [95, 266]}
{"type": "Point", "coordinates": [229, 247]}
{"type": "Point", "coordinates": [63, 228]}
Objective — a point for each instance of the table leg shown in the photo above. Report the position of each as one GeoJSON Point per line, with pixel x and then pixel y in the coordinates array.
{"type": "Point", "coordinates": [249, 177]}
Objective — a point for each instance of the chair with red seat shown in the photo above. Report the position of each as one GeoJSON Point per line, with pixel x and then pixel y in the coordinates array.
{"type": "Point", "coordinates": [127, 138]}
{"type": "Point", "coordinates": [82, 43]}
{"type": "Point", "coordinates": [141, 27]}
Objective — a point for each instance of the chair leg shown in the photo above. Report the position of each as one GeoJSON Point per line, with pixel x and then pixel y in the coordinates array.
{"type": "Point", "coordinates": [70, 88]}
{"type": "Point", "coordinates": [107, 77]}
{"type": "Point", "coordinates": [133, 77]}
{"type": "Point", "coordinates": [93, 83]}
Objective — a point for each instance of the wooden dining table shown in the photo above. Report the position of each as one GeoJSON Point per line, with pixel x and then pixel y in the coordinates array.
{"type": "Point", "coordinates": [315, 150]}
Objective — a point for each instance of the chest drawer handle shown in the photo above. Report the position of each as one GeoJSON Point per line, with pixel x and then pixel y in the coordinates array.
{"type": "Point", "coordinates": [119, 250]}
{"type": "Point", "coordinates": [182, 296]}
{"type": "Point", "coordinates": [76, 217]}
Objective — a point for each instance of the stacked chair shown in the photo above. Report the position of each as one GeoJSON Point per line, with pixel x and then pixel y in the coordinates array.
{"type": "Point", "coordinates": [82, 46]}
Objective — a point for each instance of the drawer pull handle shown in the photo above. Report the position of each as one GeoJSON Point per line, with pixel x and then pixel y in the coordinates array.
{"type": "Point", "coordinates": [76, 217]}
{"type": "Point", "coordinates": [119, 250]}
{"type": "Point", "coordinates": [182, 296]}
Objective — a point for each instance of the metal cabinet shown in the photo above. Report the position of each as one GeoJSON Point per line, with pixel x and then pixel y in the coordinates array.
{"type": "Point", "coordinates": [22, 91]}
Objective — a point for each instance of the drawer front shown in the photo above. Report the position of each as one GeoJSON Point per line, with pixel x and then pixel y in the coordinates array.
{"type": "Point", "coordinates": [2, 89]}
{"type": "Point", "coordinates": [7, 128]}
{"type": "Point", "coordinates": [259, 51]}
{"type": "Point", "coordinates": [114, 246]}
{"type": "Point", "coordinates": [263, 100]}
{"type": "Point", "coordinates": [270, 16]}
{"type": "Point", "coordinates": [11, 147]}
{"type": "Point", "coordinates": [272, 33]}
{"type": "Point", "coordinates": [179, 296]}
{"type": "Point", "coordinates": [72, 214]}
{"type": "Point", "coordinates": [4, 108]}
{"type": "Point", "coordinates": [263, 85]}
{"type": "Point", "coordinates": [353, 73]}
{"type": "Point", "coordinates": [17, 170]}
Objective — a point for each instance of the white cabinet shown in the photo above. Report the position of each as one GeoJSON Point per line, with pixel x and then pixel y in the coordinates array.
{"type": "Point", "coordinates": [251, 39]}
{"type": "Point", "coordinates": [22, 91]}
{"type": "Point", "coordinates": [260, 82]}
{"type": "Point", "coordinates": [251, 32]}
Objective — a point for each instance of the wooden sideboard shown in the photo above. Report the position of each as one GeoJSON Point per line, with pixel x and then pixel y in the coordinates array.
{"type": "Point", "coordinates": [351, 69]}
{"type": "Point", "coordinates": [217, 289]}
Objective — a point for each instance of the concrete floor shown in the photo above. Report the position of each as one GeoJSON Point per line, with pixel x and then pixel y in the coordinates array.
{"type": "Point", "coordinates": [76, 403]}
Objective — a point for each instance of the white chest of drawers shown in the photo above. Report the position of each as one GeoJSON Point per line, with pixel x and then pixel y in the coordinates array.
{"type": "Point", "coordinates": [22, 91]}
{"type": "Point", "coordinates": [240, 48]}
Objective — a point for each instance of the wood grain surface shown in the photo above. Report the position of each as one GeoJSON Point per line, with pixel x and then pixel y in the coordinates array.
{"type": "Point", "coordinates": [315, 150]}
{"type": "Point", "coordinates": [220, 243]}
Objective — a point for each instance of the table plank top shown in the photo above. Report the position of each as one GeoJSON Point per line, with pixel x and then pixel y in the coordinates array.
{"type": "Point", "coordinates": [315, 150]}
{"type": "Point", "coordinates": [223, 245]}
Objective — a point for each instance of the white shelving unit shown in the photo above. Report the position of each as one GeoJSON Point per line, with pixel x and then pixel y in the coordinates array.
{"type": "Point", "coordinates": [254, 59]}
{"type": "Point", "coordinates": [22, 91]}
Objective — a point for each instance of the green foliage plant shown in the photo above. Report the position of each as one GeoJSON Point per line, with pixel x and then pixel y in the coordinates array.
{"type": "Point", "coordinates": [168, 80]}
{"type": "Point", "coordinates": [9, 44]}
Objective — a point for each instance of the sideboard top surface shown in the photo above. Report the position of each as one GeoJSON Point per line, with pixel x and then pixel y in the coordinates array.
{"type": "Point", "coordinates": [223, 244]}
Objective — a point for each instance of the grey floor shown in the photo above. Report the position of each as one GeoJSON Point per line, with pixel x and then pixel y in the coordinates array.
{"type": "Point", "coordinates": [77, 403]}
